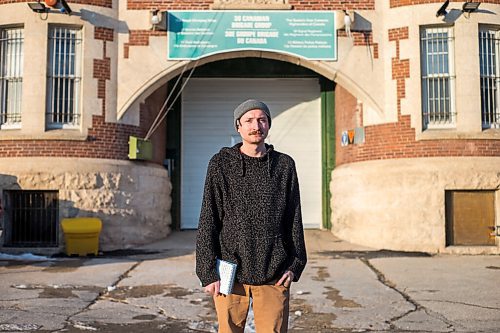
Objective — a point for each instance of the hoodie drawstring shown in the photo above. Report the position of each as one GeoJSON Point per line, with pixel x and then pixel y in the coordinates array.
{"type": "Point", "coordinates": [236, 149]}
{"type": "Point", "coordinates": [242, 164]}
{"type": "Point", "coordinates": [269, 163]}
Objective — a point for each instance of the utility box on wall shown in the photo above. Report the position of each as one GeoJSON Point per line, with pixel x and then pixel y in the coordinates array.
{"type": "Point", "coordinates": [140, 149]}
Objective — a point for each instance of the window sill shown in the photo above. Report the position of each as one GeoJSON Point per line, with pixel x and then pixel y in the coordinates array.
{"type": "Point", "coordinates": [453, 134]}
{"type": "Point", "coordinates": [52, 127]}
{"type": "Point", "coordinates": [10, 126]}
{"type": "Point", "coordinates": [492, 127]}
{"type": "Point", "coordinates": [59, 134]}
{"type": "Point", "coordinates": [432, 127]}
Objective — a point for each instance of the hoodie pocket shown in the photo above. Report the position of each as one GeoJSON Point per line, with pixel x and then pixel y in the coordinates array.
{"type": "Point", "coordinates": [262, 258]}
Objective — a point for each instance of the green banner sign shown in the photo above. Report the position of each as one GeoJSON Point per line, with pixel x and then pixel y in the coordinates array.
{"type": "Point", "coordinates": [307, 34]}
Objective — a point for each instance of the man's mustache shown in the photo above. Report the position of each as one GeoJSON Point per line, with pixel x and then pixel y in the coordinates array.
{"type": "Point", "coordinates": [255, 132]}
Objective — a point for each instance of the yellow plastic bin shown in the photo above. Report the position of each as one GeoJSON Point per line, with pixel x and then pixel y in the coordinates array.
{"type": "Point", "coordinates": [81, 235]}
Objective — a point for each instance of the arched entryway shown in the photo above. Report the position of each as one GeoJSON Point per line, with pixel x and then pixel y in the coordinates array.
{"type": "Point", "coordinates": [201, 122]}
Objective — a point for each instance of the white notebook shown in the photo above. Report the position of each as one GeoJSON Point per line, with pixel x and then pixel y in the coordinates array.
{"type": "Point", "coordinates": [227, 273]}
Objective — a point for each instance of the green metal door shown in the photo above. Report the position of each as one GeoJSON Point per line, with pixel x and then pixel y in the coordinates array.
{"type": "Point", "coordinates": [328, 145]}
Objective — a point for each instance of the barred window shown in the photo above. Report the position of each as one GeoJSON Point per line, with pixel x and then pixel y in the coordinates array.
{"type": "Point", "coordinates": [11, 76]}
{"type": "Point", "coordinates": [438, 76]}
{"type": "Point", "coordinates": [64, 77]}
{"type": "Point", "coordinates": [489, 62]}
{"type": "Point", "coordinates": [31, 218]}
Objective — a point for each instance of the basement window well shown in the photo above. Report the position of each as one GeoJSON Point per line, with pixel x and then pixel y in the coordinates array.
{"type": "Point", "coordinates": [31, 218]}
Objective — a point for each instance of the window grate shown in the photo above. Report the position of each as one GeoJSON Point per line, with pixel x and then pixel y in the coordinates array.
{"type": "Point", "coordinates": [64, 79]}
{"type": "Point", "coordinates": [438, 77]}
{"type": "Point", "coordinates": [11, 75]}
{"type": "Point", "coordinates": [489, 55]}
{"type": "Point", "coordinates": [31, 218]}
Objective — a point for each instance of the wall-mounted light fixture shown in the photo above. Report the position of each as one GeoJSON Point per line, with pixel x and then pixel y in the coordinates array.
{"type": "Point", "coordinates": [352, 21]}
{"type": "Point", "coordinates": [442, 11]}
{"type": "Point", "coordinates": [470, 6]}
{"type": "Point", "coordinates": [37, 7]}
{"type": "Point", "coordinates": [158, 19]}
{"type": "Point", "coordinates": [66, 7]}
{"type": "Point", "coordinates": [45, 7]}
{"type": "Point", "coordinates": [347, 23]}
{"type": "Point", "coordinates": [155, 16]}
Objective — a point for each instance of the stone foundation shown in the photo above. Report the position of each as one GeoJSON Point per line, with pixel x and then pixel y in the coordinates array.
{"type": "Point", "coordinates": [399, 204]}
{"type": "Point", "coordinates": [131, 198]}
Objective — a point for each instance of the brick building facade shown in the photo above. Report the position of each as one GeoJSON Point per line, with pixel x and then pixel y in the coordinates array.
{"type": "Point", "coordinates": [415, 131]}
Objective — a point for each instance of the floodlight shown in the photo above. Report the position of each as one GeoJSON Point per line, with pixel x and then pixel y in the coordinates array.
{"type": "Point", "coordinates": [442, 11]}
{"type": "Point", "coordinates": [37, 7]}
{"type": "Point", "coordinates": [470, 6]}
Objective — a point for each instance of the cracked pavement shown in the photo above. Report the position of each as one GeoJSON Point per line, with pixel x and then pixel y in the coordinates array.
{"type": "Point", "coordinates": [345, 288]}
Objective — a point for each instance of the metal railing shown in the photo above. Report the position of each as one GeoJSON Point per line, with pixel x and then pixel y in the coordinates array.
{"type": "Point", "coordinates": [64, 77]}
{"type": "Point", "coordinates": [11, 74]}
{"type": "Point", "coordinates": [489, 62]}
{"type": "Point", "coordinates": [438, 75]}
{"type": "Point", "coordinates": [31, 218]}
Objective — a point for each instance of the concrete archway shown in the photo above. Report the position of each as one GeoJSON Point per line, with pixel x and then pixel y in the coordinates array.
{"type": "Point", "coordinates": [247, 68]}
{"type": "Point", "coordinates": [329, 70]}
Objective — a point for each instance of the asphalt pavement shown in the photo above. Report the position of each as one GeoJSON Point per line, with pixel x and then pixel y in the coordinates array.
{"type": "Point", "coordinates": [344, 288]}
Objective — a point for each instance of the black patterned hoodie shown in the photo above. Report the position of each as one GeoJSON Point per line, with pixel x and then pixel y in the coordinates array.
{"type": "Point", "coordinates": [251, 216]}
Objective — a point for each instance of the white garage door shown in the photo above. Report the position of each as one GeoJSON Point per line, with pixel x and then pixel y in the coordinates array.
{"type": "Point", "coordinates": [207, 125]}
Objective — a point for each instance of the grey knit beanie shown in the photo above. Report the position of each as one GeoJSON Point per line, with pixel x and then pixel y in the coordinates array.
{"type": "Point", "coordinates": [248, 105]}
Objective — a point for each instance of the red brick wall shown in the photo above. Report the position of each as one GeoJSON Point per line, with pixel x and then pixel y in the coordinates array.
{"type": "Point", "coordinates": [401, 3]}
{"type": "Point", "coordinates": [105, 34]}
{"type": "Point", "coordinates": [361, 39]}
{"type": "Point", "coordinates": [400, 67]}
{"type": "Point", "coordinates": [149, 112]}
{"type": "Point", "coordinates": [170, 4]}
{"type": "Point", "coordinates": [104, 140]}
{"type": "Point", "coordinates": [100, 3]}
{"type": "Point", "coordinates": [102, 67]}
{"type": "Point", "coordinates": [393, 140]}
{"type": "Point", "coordinates": [345, 119]}
{"type": "Point", "coordinates": [396, 140]}
{"type": "Point", "coordinates": [140, 38]}
{"type": "Point", "coordinates": [333, 5]}
{"type": "Point", "coordinates": [297, 4]}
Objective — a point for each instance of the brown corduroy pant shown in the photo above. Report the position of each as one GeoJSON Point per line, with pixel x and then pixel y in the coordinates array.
{"type": "Point", "coordinates": [270, 305]}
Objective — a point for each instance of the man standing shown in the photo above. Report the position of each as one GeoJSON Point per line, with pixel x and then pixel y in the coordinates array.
{"type": "Point", "coordinates": [251, 216]}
